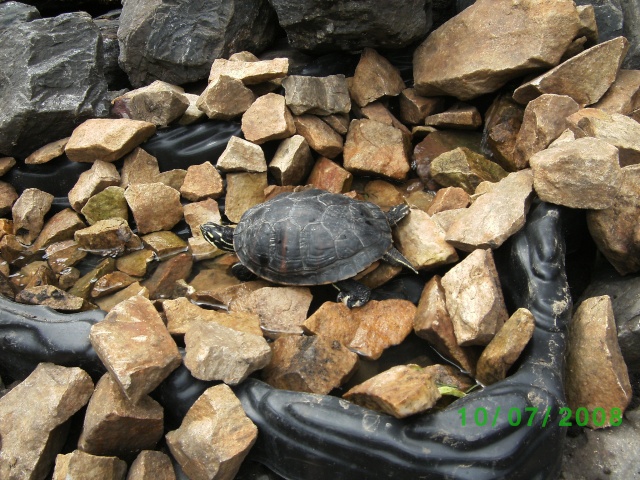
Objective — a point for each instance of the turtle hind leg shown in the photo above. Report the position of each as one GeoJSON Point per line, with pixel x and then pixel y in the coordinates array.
{"type": "Point", "coordinates": [242, 273]}
{"type": "Point", "coordinates": [352, 293]}
{"type": "Point", "coordinates": [397, 213]}
{"type": "Point", "coordinates": [394, 257]}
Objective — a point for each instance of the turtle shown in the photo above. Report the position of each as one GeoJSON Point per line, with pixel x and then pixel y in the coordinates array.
{"type": "Point", "coordinates": [312, 237]}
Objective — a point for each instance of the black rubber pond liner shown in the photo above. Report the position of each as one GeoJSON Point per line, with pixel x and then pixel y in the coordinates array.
{"type": "Point", "coordinates": [314, 437]}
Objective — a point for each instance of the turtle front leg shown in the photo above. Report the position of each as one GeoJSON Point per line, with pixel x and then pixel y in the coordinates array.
{"type": "Point", "coordinates": [242, 273]}
{"type": "Point", "coordinates": [397, 213]}
{"type": "Point", "coordinates": [352, 293]}
{"type": "Point", "coordinates": [394, 257]}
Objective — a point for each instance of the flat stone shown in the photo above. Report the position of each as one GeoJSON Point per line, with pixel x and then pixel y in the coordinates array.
{"type": "Point", "coordinates": [164, 244]}
{"type": "Point", "coordinates": [596, 375]}
{"type": "Point", "coordinates": [505, 348]}
{"type": "Point", "coordinates": [107, 302]}
{"type": "Point", "coordinates": [105, 237]}
{"type": "Point", "coordinates": [61, 226]}
{"type": "Point", "coordinates": [110, 283]}
{"type": "Point", "coordinates": [338, 121]}
{"type": "Point", "coordinates": [422, 241]}
{"type": "Point", "coordinates": [6, 164]}
{"type": "Point", "coordinates": [8, 197]}
{"type": "Point", "coordinates": [242, 156]}
{"type": "Point", "coordinates": [619, 130]}
{"type": "Point", "coordinates": [584, 173]}
{"type": "Point", "coordinates": [52, 297]}
{"type": "Point", "coordinates": [375, 148]}
{"type": "Point", "coordinates": [458, 116]}
{"type": "Point", "coordinates": [225, 98]}
{"type": "Point", "coordinates": [100, 176]}
{"type": "Point", "coordinates": [47, 153]}
{"type": "Point", "coordinates": [244, 190]}
{"type": "Point", "coordinates": [139, 167]}
{"type": "Point", "coordinates": [292, 161]}
{"type": "Point", "coordinates": [474, 299]}
{"type": "Point", "coordinates": [147, 200]}
{"type": "Point", "coordinates": [114, 426]}
{"type": "Point", "coordinates": [202, 181]}
{"type": "Point", "coordinates": [28, 213]}
{"type": "Point", "coordinates": [135, 263]}
{"type": "Point", "coordinates": [249, 72]}
{"type": "Point", "coordinates": [35, 274]}
{"type": "Point", "coordinates": [328, 175]}
{"type": "Point", "coordinates": [464, 168]}
{"type": "Point", "coordinates": [378, 112]}
{"type": "Point", "coordinates": [268, 118]}
{"type": "Point", "coordinates": [400, 391]}
{"type": "Point", "coordinates": [317, 95]}
{"type": "Point", "coordinates": [415, 108]}
{"type": "Point", "coordinates": [201, 249]}
{"type": "Point", "coordinates": [382, 193]}
{"type": "Point", "coordinates": [77, 464]}
{"type": "Point", "coordinates": [14, 251]}
{"type": "Point", "coordinates": [545, 118]}
{"type": "Point", "coordinates": [162, 283]}
{"type": "Point", "coordinates": [309, 364]}
{"type": "Point", "coordinates": [159, 103]}
{"type": "Point", "coordinates": [319, 135]}
{"type": "Point", "coordinates": [214, 437]}
{"type": "Point", "coordinates": [333, 320]}
{"type": "Point", "coordinates": [135, 346]}
{"type": "Point", "coordinates": [34, 413]}
{"type": "Point", "coordinates": [374, 78]}
{"type": "Point", "coordinates": [106, 139]}
{"type": "Point", "coordinates": [623, 95]}
{"type": "Point", "coordinates": [433, 323]}
{"type": "Point", "coordinates": [192, 114]}
{"type": "Point", "coordinates": [82, 287]}
{"type": "Point", "coordinates": [151, 465]}
{"type": "Point", "coordinates": [197, 213]}
{"type": "Point", "coordinates": [523, 39]}
{"type": "Point", "coordinates": [503, 120]}
{"type": "Point", "coordinates": [63, 255]}
{"type": "Point", "coordinates": [173, 178]}
{"type": "Point", "coordinates": [449, 198]}
{"type": "Point", "coordinates": [109, 203]}
{"type": "Point", "coordinates": [494, 216]}
{"type": "Point", "coordinates": [585, 77]}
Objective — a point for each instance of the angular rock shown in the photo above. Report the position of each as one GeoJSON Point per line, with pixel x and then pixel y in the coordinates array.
{"type": "Point", "coordinates": [52, 297]}
{"type": "Point", "coordinates": [28, 213]}
{"type": "Point", "coordinates": [159, 103]}
{"type": "Point", "coordinates": [242, 156]}
{"type": "Point", "coordinates": [382, 193]}
{"type": "Point", "coordinates": [105, 237]}
{"type": "Point", "coordinates": [292, 161]}
{"type": "Point", "coordinates": [529, 36]}
{"type": "Point", "coordinates": [151, 465]}
{"type": "Point", "coordinates": [378, 112]}
{"type": "Point", "coordinates": [110, 301]}
{"type": "Point", "coordinates": [214, 284]}
{"type": "Point", "coordinates": [110, 283]}
{"type": "Point", "coordinates": [505, 348]}
{"type": "Point", "coordinates": [503, 120]}
{"type": "Point", "coordinates": [58, 228]}
{"type": "Point", "coordinates": [597, 376]}
{"type": "Point", "coordinates": [6, 164]}
{"type": "Point", "coordinates": [139, 167]}
{"type": "Point", "coordinates": [317, 95]}
{"type": "Point", "coordinates": [109, 24]}
{"type": "Point", "coordinates": [106, 139]}
{"type": "Point", "coordinates": [249, 71]}
{"type": "Point", "coordinates": [155, 206]}
{"type": "Point", "coordinates": [114, 426]}
{"type": "Point", "coordinates": [314, 364]}
{"type": "Point", "coordinates": [474, 299]}
{"type": "Point", "coordinates": [100, 176]}
{"type": "Point", "coordinates": [8, 197]}
{"type": "Point", "coordinates": [330, 176]}
{"type": "Point", "coordinates": [34, 413]}
{"type": "Point", "coordinates": [244, 190]}
{"type": "Point", "coordinates": [338, 121]}
{"type": "Point", "coordinates": [375, 77]}
{"type": "Point", "coordinates": [63, 255]}
{"type": "Point", "coordinates": [135, 264]}
{"type": "Point", "coordinates": [202, 181]}
{"type": "Point", "coordinates": [77, 464]}
{"type": "Point", "coordinates": [225, 98]}
{"type": "Point", "coordinates": [268, 118]}
{"type": "Point", "coordinates": [458, 116]}
{"type": "Point", "coordinates": [319, 135]}
{"type": "Point", "coordinates": [82, 287]}
{"type": "Point", "coordinates": [623, 96]}
{"type": "Point", "coordinates": [197, 213]}
{"type": "Point", "coordinates": [47, 153]}
{"type": "Point", "coordinates": [449, 198]}
{"type": "Point", "coordinates": [584, 173]}
{"type": "Point", "coordinates": [109, 203]}
{"type": "Point", "coordinates": [585, 77]}
{"type": "Point", "coordinates": [164, 244]}
{"type": "Point", "coordinates": [333, 320]}
{"type": "Point", "coordinates": [192, 114]}
{"type": "Point", "coordinates": [162, 283]}
{"type": "Point", "coordinates": [16, 12]}
{"type": "Point", "coordinates": [415, 108]}
{"type": "Point", "coordinates": [464, 168]}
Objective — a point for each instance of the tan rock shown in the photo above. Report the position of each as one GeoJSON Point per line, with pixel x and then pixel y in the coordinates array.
{"type": "Point", "coordinates": [623, 96]}
{"type": "Point", "coordinates": [154, 206]}
{"type": "Point", "coordinates": [242, 156]}
{"type": "Point", "coordinates": [109, 203]}
{"type": "Point", "coordinates": [433, 323]}
{"type": "Point", "coordinates": [106, 139]}
{"type": "Point", "coordinates": [164, 244]}
{"type": "Point", "coordinates": [201, 249]}
{"type": "Point", "coordinates": [494, 216]}
{"type": "Point", "coordinates": [202, 181]}
{"type": "Point", "coordinates": [113, 425]}
{"type": "Point", "coordinates": [192, 114]}
{"type": "Point", "coordinates": [100, 176]}
{"type": "Point", "coordinates": [460, 115]}
{"type": "Point", "coordinates": [47, 153]}
{"type": "Point", "coordinates": [585, 77]}
{"type": "Point", "coordinates": [77, 465]}
{"type": "Point", "coordinates": [8, 197]}
{"type": "Point", "coordinates": [28, 213]}
{"type": "Point", "coordinates": [82, 287]}
{"type": "Point", "coordinates": [139, 167]}
{"type": "Point", "coordinates": [52, 297]}
{"type": "Point", "coordinates": [422, 241]}
{"type": "Point", "coordinates": [317, 95]}
{"type": "Point", "coordinates": [415, 108]}
{"type": "Point", "coordinates": [135, 263]}
{"type": "Point", "coordinates": [449, 198]}
{"type": "Point", "coordinates": [135, 346]}
{"type": "Point", "coordinates": [505, 348]}
{"type": "Point", "coordinates": [292, 161]}
{"type": "Point", "coordinates": [503, 120]}
{"type": "Point", "coordinates": [105, 237]}
{"type": "Point", "coordinates": [6, 164]}
{"type": "Point", "coordinates": [378, 112]}
{"type": "Point", "coordinates": [197, 213]}
{"type": "Point", "coordinates": [214, 437]}
{"type": "Point", "coordinates": [319, 135]}
{"type": "Point", "coordinates": [338, 121]}
{"type": "Point", "coordinates": [545, 118]}
{"type": "Point", "coordinates": [173, 178]}
{"type": "Point", "coordinates": [33, 413]}
{"type": "Point", "coordinates": [527, 36]}
{"type": "Point", "coordinates": [63, 255]}
{"type": "Point", "coordinates": [110, 283]}
{"type": "Point", "coordinates": [309, 364]}
{"type": "Point", "coordinates": [596, 375]}
{"type": "Point", "coordinates": [382, 193]}
{"type": "Point", "coordinates": [268, 118]}
{"type": "Point", "coordinates": [215, 283]}
{"type": "Point", "coordinates": [151, 465]}
{"type": "Point", "coordinates": [159, 103]}
{"type": "Point", "coordinates": [162, 283]}
{"type": "Point", "coordinates": [584, 173]}
{"type": "Point", "coordinates": [374, 78]}
{"type": "Point", "coordinates": [565, 137]}
{"type": "Point", "coordinates": [58, 228]}
{"type": "Point", "coordinates": [225, 98]}
{"type": "Point", "coordinates": [249, 72]}
{"type": "Point", "coordinates": [474, 299]}
{"type": "Point", "coordinates": [244, 190]}
{"type": "Point", "coordinates": [110, 301]}
{"type": "Point", "coordinates": [464, 168]}
{"type": "Point", "coordinates": [328, 175]}
{"type": "Point", "coordinates": [333, 320]}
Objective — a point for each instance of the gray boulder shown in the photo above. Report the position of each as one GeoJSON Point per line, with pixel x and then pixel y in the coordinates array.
{"type": "Point", "coordinates": [177, 40]}
{"type": "Point", "coordinates": [109, 24]}
{"type": "Point", "coordinates": [325, 25]}
{"type": "Point", "coordinates": [631, 9]}
{"type": "Point", "coordinates": [51, 80]}
{"type": "Point", "coordinates": [12, 13]}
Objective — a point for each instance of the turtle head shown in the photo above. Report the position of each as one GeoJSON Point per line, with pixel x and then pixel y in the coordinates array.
{"type": "Point", "coordinates": [219, 235]}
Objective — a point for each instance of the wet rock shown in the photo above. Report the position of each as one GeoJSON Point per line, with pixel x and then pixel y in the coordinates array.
{"type": "Point", "coordinates": [474, 299]}
{"type": "Point", "coordinates": [113, 425]}
{"type": "Point", "coordinates": [584, 173]}
{"type": "Point", "coordinates": [433, 323]}
{"type": "Point", "coordinates": [14, 251]}
{"type": "Point", "coordinates": [139, 167]}
{"type": "Point", "coordinates": [244, 190]}
{"type": "Point", "coordinates": [109, 203]}
{"type": "Point", "coordinates": [77, 464]}
{"type": "Point", "coordinates": [52, 297]}
{"type": "Point", "coordinates": [110, 283]}
{"type": "Point", "coordinates": [28, 213]}
{"type": "Point", "coordinates": [159, 103]}
{"type": "Point", "coordinates": [458, 116]}
{"type": "Point", "coordinates": [268, 118]}
{"type": "Point", "coordinates": [162, 282]}
{"type": "Point", "coordinates": [100, 176]}
{"type": "Point", "coordinates": [105, 237]}
{"type": "Point", "coordinates": [623, 96]}
{"type": "Point", "coordinates": [82, 287]}
{"type": "Point", "coordinates": [242, 156]}
{"type": "Point", "coordinates": [42, 101]}
{"type": "Point", "coordinates": [597, 376]}
{"type": "Point", "coordinates": [60, 227]}
{"type": "Point", "coordinates": [422, 241]}
{"type": "Point", "coordinates": [317, 95]}
{"type": "Point", "coordinates": [135, 346]}
{"type": "Point", "coordinates": [135, 263]}
{"type": "Point", "coordinates": [63, 255]}
{"type": "Point", "coordinates": [292, 161]}
{"type": "Point", "coordinates": [47, 153]}
{"type": "Point", "coordinates": [151, 465]}
{"type": "Point", "coordinates": [464, 168]}
{"type": "Point", "coordinates": [401, 391]}
{"type": "Point", "coordinates": [214, 437]}
{"type": "Point", "coordinates": [545, 118]}
{"type": "Point", "coordinates": [375, 77]}
{"type": "Point", "coordinates": [214, 284]}
{"type": "Point", "coordinates": [249, 71]}
{"type": "Point", "coordinates": [110, 301]}
{"type": "Point", "coordinates": [415, 108]}
{"type": "Point", "coordinates": [34, 413]}
{"type": "Point", "coordinates": [449, 198]}
{"type": "Point", "coordinates": [314, 364]}
{"type": "Point", "coordinates": [8, 197]}
{"type": "Point", "coordinates": [505, 348]}
{"type": "Point", "coordinates": [225, 98]}
{"type": "Point", "coordinates": [494, 216]}
{"type": "Point", "coordinates": [526, 38]}
{"type": "Point", "coordinates": [202, 181]}
{"type": "Point", "coordinates": [585, 77]}
{"type": "Point", "coordinates": [319, 135]}
{"type": "Point", "coordinates": [146, 201]}
{"type": "Point", "coordinates": [164, 243]}
{"type": "Point", "coordinates": [375, 148]}
{"type": "Point", "coordinates": [106, 139]}
{"type": "Point", "coordinates": [6, 164]}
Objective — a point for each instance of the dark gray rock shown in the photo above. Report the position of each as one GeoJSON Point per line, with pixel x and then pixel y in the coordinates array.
{"type": "Point", "coordinates": [109, 24]}
{"type": "Point", "coordinates": [51, 8]}
{"type": "Point", "coordinates": [609, 17]}
{"type": "Point", "coordinates": [177, 41]}
{"type": "Point", "coordinates": [631, 9]}
{"type": "Point", "coordinates": [16, 12]}
{"type": "Point", "coordinates": [51, 80]}
{"type": "Point", "coordinates": [325, 25]}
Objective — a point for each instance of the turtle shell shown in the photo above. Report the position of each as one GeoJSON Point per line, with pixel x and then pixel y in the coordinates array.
{"type": "Point", "coordinates": [311, 237]}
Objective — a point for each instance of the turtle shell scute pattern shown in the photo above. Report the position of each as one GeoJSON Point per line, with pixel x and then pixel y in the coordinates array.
{"type": "Point", "coordinates": [311, 238]}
